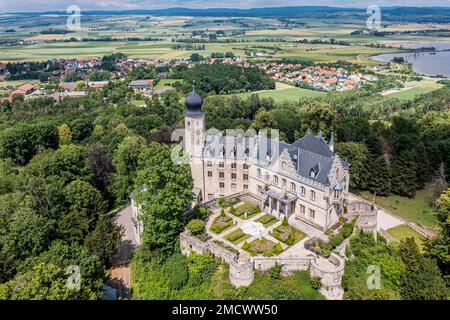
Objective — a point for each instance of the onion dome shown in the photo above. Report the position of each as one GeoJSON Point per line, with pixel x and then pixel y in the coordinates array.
{"type": "Point", "coordinates": [194, 103]}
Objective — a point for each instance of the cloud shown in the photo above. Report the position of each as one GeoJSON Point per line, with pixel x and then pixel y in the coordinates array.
{"type": "Point", "coordinates": [85, 5]}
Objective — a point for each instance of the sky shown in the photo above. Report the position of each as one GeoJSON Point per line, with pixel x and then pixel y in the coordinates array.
{"type": "Point", "coordinates": [86, 5]}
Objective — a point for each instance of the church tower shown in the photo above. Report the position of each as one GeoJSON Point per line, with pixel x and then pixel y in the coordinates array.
{"type": "Point", "coordinates": [194, 124]}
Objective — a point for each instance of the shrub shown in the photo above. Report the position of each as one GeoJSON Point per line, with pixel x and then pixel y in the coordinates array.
{"type": "Point", "coordinates": [342, 220]}
{"type": "Point", "coordinates": [285, 222]}
{"type": "Point", "coordinates": [316, 283]}
{"type": "Point", "coordinates": [275, 271]}
{"type": "Point", "coordinates": [200, 212]}
{"type": "Point", "coordinates": [278, 248]}
{"type": "Point", "coordinates": [256, 210]}
{"type": "Point", "coordinates": [246, 246]}
{"type": "Point", "coordinates": [196, 226]}
{"type": "Point", "coordinates": [290, 240]}
{"type": "Point", "coordinates": [233, 210]}
{"type": "Point", "coordinates": [222, 213]}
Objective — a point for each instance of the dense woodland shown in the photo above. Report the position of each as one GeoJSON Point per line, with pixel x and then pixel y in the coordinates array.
{"type": "Point", "coordinates": [67, 167]}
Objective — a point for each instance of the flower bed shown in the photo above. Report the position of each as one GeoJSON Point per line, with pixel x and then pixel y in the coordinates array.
{"type": "Point", "coordinates": [263, 247]}
{"type": "Point", "coordinates": [237, 236]}
{"type": "Point", "coordinates": [221, 224]}
{"type": "Point", "coordinates": [288, 234]}
{"type": "Point", "coordinates": [267, 220]}
{"type": "Point", "coordinates": [245, 208]}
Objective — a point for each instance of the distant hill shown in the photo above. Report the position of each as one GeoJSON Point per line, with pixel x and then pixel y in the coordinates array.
{"type": "Point", "coordinates": [420, 14]}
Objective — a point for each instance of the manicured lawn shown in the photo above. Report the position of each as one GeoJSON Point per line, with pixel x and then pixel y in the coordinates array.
{"type": "Point", "coordinates": [237, 236]}
{"type": "Point", "coordinates": [417, 209]}
{"type": "Point", "coordinates": [285, 233]}
{"type": "Point", "coordinates": [403, 231]}
{"type": "Point", "coordinates": [138, 103]}
{"type": "Point", "coordinates": [267, 220]}
{"type": "Point", "coordinates": [221, 224]}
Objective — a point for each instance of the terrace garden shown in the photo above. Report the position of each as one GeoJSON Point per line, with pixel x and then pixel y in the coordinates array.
{"type": "Point", "coordinates": [237, 236]}
{"type": "Point", "coordinates": [267, 220]}
{"type": "Point", "coordinates": [263, 247]}
{"type": "Point", "coordinates": [287, 234]}
{"type": "Point", "coordinates": [245, 211]}
{"type": "Point", "coordinates": [221, 224]}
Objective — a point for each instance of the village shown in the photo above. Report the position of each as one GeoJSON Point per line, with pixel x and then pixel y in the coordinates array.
{"type": "Point", "coordinates": [74, 76]}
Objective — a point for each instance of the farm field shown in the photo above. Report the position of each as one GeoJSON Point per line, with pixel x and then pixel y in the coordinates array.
{"type": "Point", "coordinates": [413, 89]}
{"type": "Point", "coordinates": [285, 92]}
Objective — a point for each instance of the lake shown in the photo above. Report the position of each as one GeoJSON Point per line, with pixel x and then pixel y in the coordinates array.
{"type": "Point", "coordinates": [430, 64]}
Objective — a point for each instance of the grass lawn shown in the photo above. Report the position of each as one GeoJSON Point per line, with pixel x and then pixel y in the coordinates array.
{"type": "Point", "coordinates": [138, 103]}
{"type": "Point", "coordinates": [167, 82]}
{"type": "Point", "coordinates": [245, 208]}
{"type": "Point", "coordinates": [417, 209]}
{"type": "Point", "coordinates": [263, 247]}
{"type": "Point", "coordinates": [284, 92]}
{"type": "Point", "coordinates": [414, 89]}
{"type": "Point", "coordinates": [267, 220]}
{"type": "Point", "coordinates": [403, 231]}
{"type": "Point", "coordinates": [237, 236]}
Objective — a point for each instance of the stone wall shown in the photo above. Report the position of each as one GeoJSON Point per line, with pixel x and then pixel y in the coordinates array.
{"type": "Point", "coordinates": [366, 214]}
{"type": "Point", "coordinates": [289, 265]}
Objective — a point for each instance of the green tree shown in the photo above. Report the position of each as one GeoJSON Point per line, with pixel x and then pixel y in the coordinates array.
{"type": "Point", "coordinates": [164, 190]}
{"type": "Point", "coordinates": [65, 134]}
{"type": "Point", "coordinates": [126, 163]}
{"type": "Point", "coordinates": [105, 240]}
{"type": "Point", "coordinates": [358, 156]}
{"type": "Point", "coordinates": [85, 204]}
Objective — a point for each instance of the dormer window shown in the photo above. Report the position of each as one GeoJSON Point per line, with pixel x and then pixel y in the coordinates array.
{"type": "Point", "coordinates": [314, 172]}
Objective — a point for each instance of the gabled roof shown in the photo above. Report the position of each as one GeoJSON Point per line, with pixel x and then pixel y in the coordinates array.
{"type": "Point", "coordinates": [314, 144]}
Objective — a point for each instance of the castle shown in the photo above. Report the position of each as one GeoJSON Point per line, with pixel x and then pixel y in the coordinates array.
{"type": "Point", "coordinates": [305, 179]}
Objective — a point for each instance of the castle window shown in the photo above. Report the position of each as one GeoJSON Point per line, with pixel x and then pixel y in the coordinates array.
{"type": "Point", "coordinates": [258, 172]}
{"type": "Point", "coordinates": [233, 176]}
{"type": "Point", "coordinates": [283, 182]}
{"type": "Point", "coordinates": [303, 191]}
{"type": "Point", "coordinates": [209, 164]}
{"type": "Point", "coordinates": [221, 185]}
{"type": "Point", "coordinates": [245, 186]}
{"type": "Point", "coordinates": [275, 179]}
{"type": "Point", "coordinates": [233, 165]}
{"type": "Point", "coordinates": [267, 177]}
{"type": "Point", "coordinates": [221, 164]}
{"type": "Point", "coordinates": [210, 174]}
{"type": "Point", "coordinates": [302, 209]}
{"type": "Point", "coordinates": [245, 166]}
{"type": "Point", "coordinates": [313, 195]}
{"type": "Point", "coordinates": [245, 177]}
{"type": "Point", "coordinates": [312, 213]}
{"type": "Point", "coordinates": [293, 188]}
{"type": "Point", "coordinates": [221, 175]}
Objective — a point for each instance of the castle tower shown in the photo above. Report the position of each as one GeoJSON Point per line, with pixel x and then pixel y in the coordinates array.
{"type": "Point", "coordinates": [194, 140]}
{"type": "Point", "coordinates": [194, 124]}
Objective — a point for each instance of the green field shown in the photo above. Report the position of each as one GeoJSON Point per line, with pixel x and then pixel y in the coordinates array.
{"type": "Point", "coordinates": [417, 209]}
{"type": "Point", "coordinates": [284, 92]}
{"type": "Point", "coordinates": [413, 89]}
{"type": "Point", "coordinates": [403, 231]}
{"type": "Point", "coordinates": [166, 82]}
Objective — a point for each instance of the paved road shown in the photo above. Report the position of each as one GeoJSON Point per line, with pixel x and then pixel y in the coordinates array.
{"type": "Point", "coordinates": [120, 273]}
